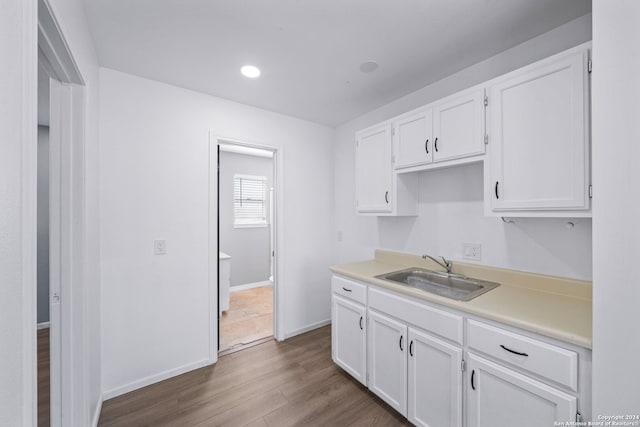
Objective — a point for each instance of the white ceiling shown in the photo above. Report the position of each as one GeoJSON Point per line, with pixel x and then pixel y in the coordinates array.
{"type": "Point", "coordinates": [310, 51]}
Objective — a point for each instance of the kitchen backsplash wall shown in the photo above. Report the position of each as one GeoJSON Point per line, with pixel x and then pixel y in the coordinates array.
{"type": "Point", "coordinates": [451, 200]}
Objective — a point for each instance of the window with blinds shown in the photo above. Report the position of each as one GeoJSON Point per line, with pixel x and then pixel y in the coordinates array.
{"type": "Point", "coordinates": [249, 200]}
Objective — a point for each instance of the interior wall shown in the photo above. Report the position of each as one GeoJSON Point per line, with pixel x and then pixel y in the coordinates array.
{"type": "Point", "coordinates": [86, 353]}
{"type": "Point", "coordinates": [43, 224]}
{"type": "Point", "coordinates": [154, 165]}
{"type": "Point", "coordinates": [616, 184]}
{"type": "Point", "coordinates": [451, 200]}
{"type": "Point", "coordinates": [249, 247]}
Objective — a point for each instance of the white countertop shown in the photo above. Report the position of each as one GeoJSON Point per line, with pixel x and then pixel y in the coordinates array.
{"type": "Point", "coordinates": [556, 307]}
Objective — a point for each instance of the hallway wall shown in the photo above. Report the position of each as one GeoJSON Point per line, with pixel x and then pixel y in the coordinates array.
{"type": "Point", "coordinates": [248, 247]}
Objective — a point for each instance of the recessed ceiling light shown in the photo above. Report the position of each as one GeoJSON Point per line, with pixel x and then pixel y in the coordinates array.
{"type": "Point", "coordinates": [250, 71]}
{"type": "Point", "coordinates": [368, 66]}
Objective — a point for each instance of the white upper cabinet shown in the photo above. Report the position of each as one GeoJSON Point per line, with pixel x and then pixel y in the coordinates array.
{"type": "Point", "coordinates": [533, 124]}
{"type": "Point", "coordinates": [447, 132]}
{"type": "Point", "coordinates": [374, 169]}
{"type": "Point", "coordinates": [413, 139]}
{"type": "Point", "coordinates": [539, 139]}
{"type": "Point", "coordinates": [458, 126]}
{"type": "Point", "coordinates": [378, 190]}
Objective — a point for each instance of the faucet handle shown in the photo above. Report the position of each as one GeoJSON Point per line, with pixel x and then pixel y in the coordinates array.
{"type": "Point", "coordinates": [447, 263]}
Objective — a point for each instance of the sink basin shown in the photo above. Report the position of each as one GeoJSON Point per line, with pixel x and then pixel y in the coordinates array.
{"type": "Point", "coordinates": [454, 286]}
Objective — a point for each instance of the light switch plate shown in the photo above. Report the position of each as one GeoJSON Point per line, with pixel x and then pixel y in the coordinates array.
{"type": "Point", "coordinates": [472, 251]}
{"type": "Point", "coordinates": [160, 247]}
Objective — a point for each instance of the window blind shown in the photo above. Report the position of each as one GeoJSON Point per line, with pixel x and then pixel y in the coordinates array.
{"type": "Point", "coordinates": [249, 200]}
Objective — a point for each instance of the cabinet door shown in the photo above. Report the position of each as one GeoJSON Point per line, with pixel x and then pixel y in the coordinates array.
{"type": "Point", "coordinates": [413, 140]}
{"type": "Point", "coordinates": [435, 381]}
{"type": "Point", "coordinates": [388, 360]}
{"type": "Point", "coordinates": [458, 126]}
{"type": "Point", "coordinates": [500, 397]}
{"type": "Point", "coordinates": [374, 170]}
{"type": "Point", "coordinates": [348, 337]}
{"type": "Point", "coordinates": [539, 146]}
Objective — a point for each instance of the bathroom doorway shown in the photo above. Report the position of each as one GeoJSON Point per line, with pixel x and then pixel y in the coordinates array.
{"type": "Point", "coordinates": [246, 242]}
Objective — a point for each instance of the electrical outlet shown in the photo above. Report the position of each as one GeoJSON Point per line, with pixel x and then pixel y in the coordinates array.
{"type": "Point", "coordinates": [160, 247]}
{"type": "Point", "coordinates": [472, 251]}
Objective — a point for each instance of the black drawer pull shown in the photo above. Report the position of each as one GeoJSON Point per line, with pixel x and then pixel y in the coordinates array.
{"type": "Point", "coordinates": [435, 144]}
{"type": "Point", "coordinates": [345, 289]}
{"type": "Point", "coordinates": [361, 323]}
{"type": "Point", "coordinates": [496, 189]}
{"type": "Point", "coordinates": [473, 374]}
{"type": "Point", "coordinates": [426, 146]}
{"type": "Point", "coordinates": [513, 351]}
{"type": "Point", "coordinates": [411, 348]}
{"type": "Point", "coordinates": [401, 338]}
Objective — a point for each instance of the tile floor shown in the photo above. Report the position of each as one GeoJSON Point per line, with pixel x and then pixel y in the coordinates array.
{"type": "Point", "coordinates": [249, 318]}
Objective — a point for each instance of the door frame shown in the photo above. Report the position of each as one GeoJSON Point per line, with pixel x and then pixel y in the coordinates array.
{"type": "Point", "coordinates": [68, 377]}
{"type": "Point", "coordinates": [277, 222]}
{"type": "Point", "coordinates": [28, 206]}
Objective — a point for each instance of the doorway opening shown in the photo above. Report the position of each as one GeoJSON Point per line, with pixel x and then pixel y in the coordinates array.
{"type": "Point", "coordinates": [60, 300]}
{"type": "Point", "coordinates": [42, 300]}
{"type": "Point", "coordinates": [246, 242]}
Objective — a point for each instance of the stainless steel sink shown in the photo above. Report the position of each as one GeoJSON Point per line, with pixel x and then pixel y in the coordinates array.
{"type": "Point", "coordinates": [454, 286]}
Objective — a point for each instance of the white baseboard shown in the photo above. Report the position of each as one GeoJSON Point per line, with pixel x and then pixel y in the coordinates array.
{"type": "Point", "coordinates": [307, 328]}
{"type": "Point", "coordinates": [44, 325]}
{"type": "Point", "coordinates": [96, 414]}
{"type": "Point", "coordinates": [152, 379]}
{"type": "Point", "coordinates": [250, 286]}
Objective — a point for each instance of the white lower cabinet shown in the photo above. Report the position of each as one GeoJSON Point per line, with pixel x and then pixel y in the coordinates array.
{"type": "Point", "coordinates": [418, 375]}
{"type": "Point", "coordinates": [348, 337]}
{"type": "Point", "coordinates": [434, 380]}
{"type": "Point", "coordinates": [500, 397]}
{"type": "Point", "coordinates": [388, 360]}
{"type": "Point", "coordinates": [418, 358]}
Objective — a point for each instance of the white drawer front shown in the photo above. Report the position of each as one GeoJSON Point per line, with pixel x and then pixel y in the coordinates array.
{"type": "Point", "coordinates": [430, 319]}
{"type": "Point", "coordinates": [349, 289]}
{"type": "Point", "coordinates": [549, 361]}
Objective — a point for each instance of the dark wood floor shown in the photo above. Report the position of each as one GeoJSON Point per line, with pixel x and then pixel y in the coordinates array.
{"type": "Point", "coordinates": [43, 378]}
{"type": "Point", "coordinates": [292, 383]}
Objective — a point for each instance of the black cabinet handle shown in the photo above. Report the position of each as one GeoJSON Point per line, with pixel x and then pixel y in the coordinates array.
{"type": "Point", "coordinates": [386, 197]}
{"type": "Point", "coordinates": [435, 144]}
{"type": "Point", "coordinates": [513, 351]}
{"type": "Point", "coordinates": [411, 348]}
{"type": "Point", "coordinates": [473, 374]}
{"type": "Point", "coordinates": [497, 197]}
{"type": "Point", "coordinates": [401, 338]}
{"type": "Point", "coordinates": [345, 289]}
{"type": "Point", "coordinates": [426, 146]}
{"type": "Point", "coordinates": [361, 323]}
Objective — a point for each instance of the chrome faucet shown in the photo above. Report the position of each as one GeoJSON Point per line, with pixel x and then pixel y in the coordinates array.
{"type": "Point", "coordinates": [446, 265]}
